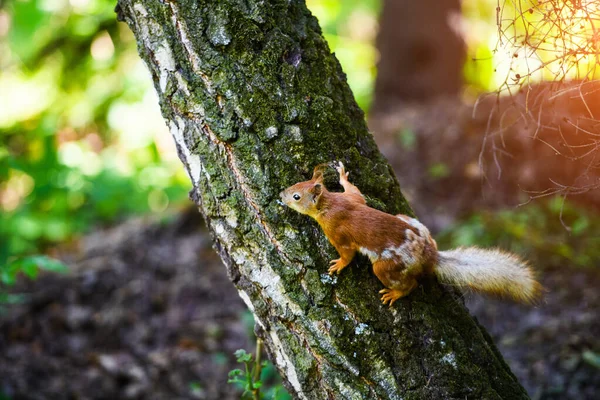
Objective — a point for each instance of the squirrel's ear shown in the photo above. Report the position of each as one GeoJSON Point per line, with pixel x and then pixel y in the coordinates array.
{"type": "Point", "coordinates": [316, 191]}
{"type": "Point", "coordinates": [318, 174]}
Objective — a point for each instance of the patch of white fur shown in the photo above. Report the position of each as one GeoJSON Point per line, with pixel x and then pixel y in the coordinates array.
{"type": "Point", "coordinates": [492, 271]}
{"type": "Point", "coordinates": [373, 255]}
{"type": "Point", "coordinates": [422, 229]}
{"type": "Point", "coordinates": [404, 252]}
{"type": "Point", "coordinates": [411, 252]}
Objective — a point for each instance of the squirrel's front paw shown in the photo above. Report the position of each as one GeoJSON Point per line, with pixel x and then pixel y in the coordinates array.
{"type": "Point", "coordinates": [342, 171]}
{"type": "Point", "coordinates": [336, 266]}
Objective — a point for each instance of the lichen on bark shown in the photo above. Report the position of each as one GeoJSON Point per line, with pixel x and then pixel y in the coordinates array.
{"type": "Point", "coordinates": [254, 100]}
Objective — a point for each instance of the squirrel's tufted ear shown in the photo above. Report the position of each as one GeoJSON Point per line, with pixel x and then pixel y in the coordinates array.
{"type": "Point", "coordinates": [316, 191]}
{"type": "Point", "coordinates": [318, 174]}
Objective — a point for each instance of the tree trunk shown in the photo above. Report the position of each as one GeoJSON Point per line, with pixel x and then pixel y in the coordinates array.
{"type": "Point", "coordinates": [254, 100]}
{"type": "Point", "coordinates": [421, 52]}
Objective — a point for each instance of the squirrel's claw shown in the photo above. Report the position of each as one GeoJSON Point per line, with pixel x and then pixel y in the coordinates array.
{"type": "Point", "coordinates": [390, 295]}
{"type": "Point", "coordinates": [336, 266]}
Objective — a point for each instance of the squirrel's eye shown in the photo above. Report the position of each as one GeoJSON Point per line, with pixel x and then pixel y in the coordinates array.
{"type": "Point", "coordinates": [296, 196]}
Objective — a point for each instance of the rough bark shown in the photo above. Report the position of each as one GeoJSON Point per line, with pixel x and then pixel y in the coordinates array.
{"type": "Point", "coordinates": [421, 52]}
{"type": "Point", "coordinates": [255, 99]}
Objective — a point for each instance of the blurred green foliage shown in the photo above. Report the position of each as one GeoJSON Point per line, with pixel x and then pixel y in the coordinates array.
{"type": "Point", "coordinates": [82, 141]}
{"type": "Point", "coordinates": [549, 233]}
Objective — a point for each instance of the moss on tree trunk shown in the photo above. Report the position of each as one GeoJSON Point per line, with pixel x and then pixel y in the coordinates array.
{"type": "Point", "coordinates": [255, 99]}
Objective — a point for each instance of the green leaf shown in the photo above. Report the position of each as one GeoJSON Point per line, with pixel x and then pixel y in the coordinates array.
{"type": "Point", "coordinates": [50, 264]}
{"type": "Point", "coordinates": [29, 266]}
{"type": "Point", "coordinates": [242, 356]}
{"type": "Point", "coordinates": [235, 372]}
{"type": "Point", "coordinates": [592, 358]}
{"type": "Point", "coordinates": [580, 226]}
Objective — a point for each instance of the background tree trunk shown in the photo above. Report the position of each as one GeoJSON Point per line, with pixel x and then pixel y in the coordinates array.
{"type": "Point", "coordinates": [421, 52]}
{"type": "Point", "coordinates": [255, 99]}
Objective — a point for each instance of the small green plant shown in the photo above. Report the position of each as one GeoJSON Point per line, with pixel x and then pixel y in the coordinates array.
{"type": "Point", "coordinates": [256, 372]}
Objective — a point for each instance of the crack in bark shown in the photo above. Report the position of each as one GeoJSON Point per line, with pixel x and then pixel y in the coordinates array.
{"type": "Point", "coordinates": [187, 45]}
{"type": "Point", "coordinates": [195, 62]}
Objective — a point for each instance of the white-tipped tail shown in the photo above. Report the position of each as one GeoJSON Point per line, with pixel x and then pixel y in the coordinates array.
{"type": "Point", "coordinates": [489, 271]}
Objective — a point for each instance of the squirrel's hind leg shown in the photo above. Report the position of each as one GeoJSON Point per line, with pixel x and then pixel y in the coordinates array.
{"type": "Point", "coordinates": [398, 280]}
{"type": "Point", "coordinates": [391, 295]}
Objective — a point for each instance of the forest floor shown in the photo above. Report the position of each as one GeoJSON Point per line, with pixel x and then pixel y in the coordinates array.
{"type": "Point", "coordinates": [148, 312]}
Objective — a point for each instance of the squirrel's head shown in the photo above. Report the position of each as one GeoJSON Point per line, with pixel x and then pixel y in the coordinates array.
{"type": "Point", "coordinates": [304, 196]}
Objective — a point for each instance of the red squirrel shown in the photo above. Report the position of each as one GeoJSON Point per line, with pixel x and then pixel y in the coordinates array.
{"type": "Point", "coordinates": [400, 248]}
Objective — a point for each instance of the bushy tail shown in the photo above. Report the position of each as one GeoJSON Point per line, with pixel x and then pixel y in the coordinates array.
{"type": "Point", "coordinates": [488, 271]}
